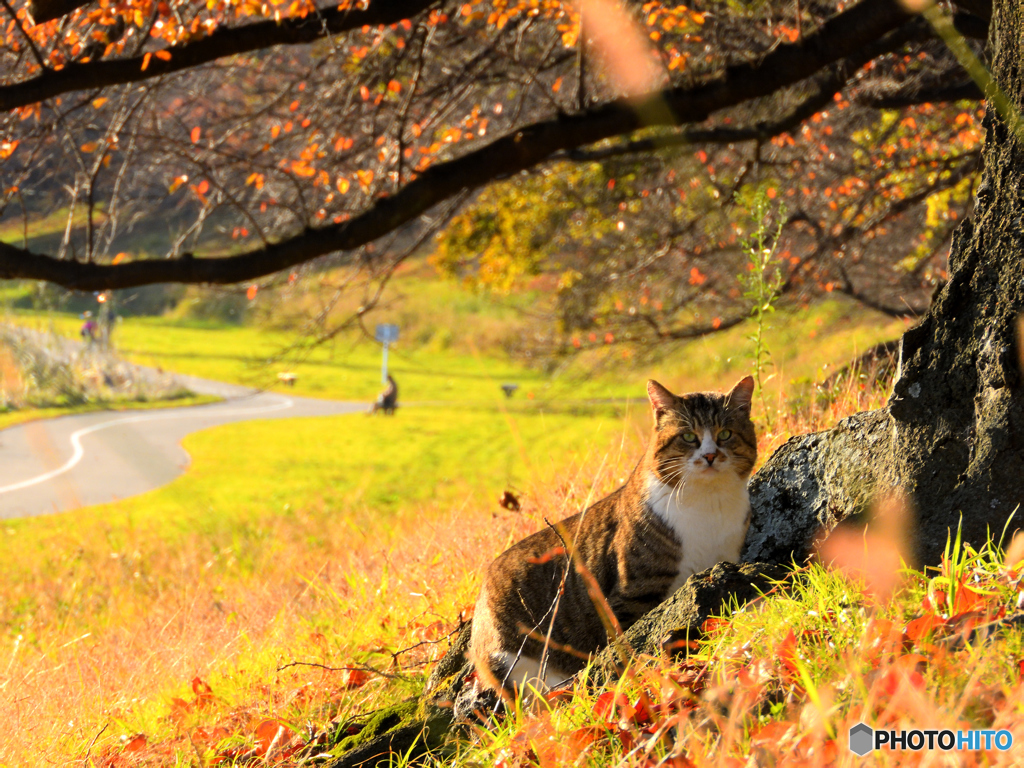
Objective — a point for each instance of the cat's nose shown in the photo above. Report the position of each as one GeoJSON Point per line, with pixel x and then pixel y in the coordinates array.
{"type": "Point", "coordinates": [710, 458]}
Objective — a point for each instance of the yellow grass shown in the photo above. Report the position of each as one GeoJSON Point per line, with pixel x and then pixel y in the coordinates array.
{"type": "Point", "coordinates": [102, 636]}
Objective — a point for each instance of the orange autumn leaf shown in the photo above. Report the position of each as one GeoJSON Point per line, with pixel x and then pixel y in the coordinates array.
{"type": "Point", "coordinates": [196, 133]}
{"type": "Point", "coordinates": [365, 178]}
{"type": "Point", "coordinates": [922, 626]}
{"type": "Point", "coordinates": [135, 744]}
{"type": "Point", "coordinates": [269, 732]}
{"type": "Point", "coordinates": [354, 678]}
{"type": "Point", "coordinates": [202, 690]}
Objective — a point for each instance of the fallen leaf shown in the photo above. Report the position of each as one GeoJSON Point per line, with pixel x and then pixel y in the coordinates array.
{"type": "Point", "coordinates": [353, 678]}
{"type": "Point", "coordinates": [136, 744]}
{"type": "Point", "coordinates": [203, 692]}
{"type": "Point", "coordinates": [269, 731]}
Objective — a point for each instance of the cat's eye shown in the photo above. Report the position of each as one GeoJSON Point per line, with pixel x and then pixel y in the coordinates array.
{"type": "Point", "coordinates": [689, 437]}
{"type": "Point", "coordinates": [725, 434]}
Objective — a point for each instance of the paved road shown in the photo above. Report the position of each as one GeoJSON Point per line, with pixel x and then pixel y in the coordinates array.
{"type": "Point", "coordinates": [75, 461]}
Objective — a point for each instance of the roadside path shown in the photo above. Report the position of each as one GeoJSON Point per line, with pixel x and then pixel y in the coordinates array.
{"type": "Point", "coordinates": [53, 465]}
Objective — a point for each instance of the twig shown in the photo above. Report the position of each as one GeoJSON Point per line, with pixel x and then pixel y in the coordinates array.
{"type": "Point", "coordinates": [357, 668]}
{"type": "Point", "coordinates": [195, 749]}
{"type": "Point", "coordinates": [85, 760]}
{"type": "Point", "coordinates": [395, 654]}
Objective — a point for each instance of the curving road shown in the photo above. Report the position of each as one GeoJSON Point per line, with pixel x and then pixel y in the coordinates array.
{"type": "Point", "coordinates": [59, 464]}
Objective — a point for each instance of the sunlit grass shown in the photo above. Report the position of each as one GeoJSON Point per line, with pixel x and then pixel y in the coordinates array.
{"type": "Point", "coordinates": [323, 540]}
{"type": "Point", "coordinates": [805, 345]}
{"type": "Point", "coordinates": [334, 542]}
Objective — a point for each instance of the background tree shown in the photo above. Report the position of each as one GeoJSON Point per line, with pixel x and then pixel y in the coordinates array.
{"type": "Point", "coordinates": [263, 136]}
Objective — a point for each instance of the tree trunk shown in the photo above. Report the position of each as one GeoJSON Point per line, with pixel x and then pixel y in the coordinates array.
{"type": "Point", "coordinates": [952, 434]}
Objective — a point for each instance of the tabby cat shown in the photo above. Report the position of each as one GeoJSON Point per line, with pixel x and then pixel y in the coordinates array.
{"type": "Point", "coordinates": [683, 509]}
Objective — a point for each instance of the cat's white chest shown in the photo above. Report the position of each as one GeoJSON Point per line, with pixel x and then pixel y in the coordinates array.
{"type": "Point", "coordinates": [709, 520]}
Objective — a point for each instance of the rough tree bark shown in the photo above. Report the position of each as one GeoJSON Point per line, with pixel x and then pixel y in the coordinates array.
{"type": "Point", "coordinates": [952, 433]}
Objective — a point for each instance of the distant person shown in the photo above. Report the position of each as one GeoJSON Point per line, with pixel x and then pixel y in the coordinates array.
{"type": "Point", "coordinates": [387, 400]}
{"type": "Point", "coordinates": [88, 330]}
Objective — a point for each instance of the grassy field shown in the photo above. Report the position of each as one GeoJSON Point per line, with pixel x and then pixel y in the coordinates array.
{"type": "Point", "coordinates": [323, 539]}
{"type": "Point", "coordinates": [806, 346]}
{"type": "Point", "coordinates": [283, 577]}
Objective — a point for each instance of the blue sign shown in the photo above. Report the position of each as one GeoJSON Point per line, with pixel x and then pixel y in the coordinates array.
{"type": "Point", "coordinates": [386, 333]}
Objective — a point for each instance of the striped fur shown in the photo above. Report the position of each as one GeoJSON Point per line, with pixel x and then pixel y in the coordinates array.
{"type": "Point", "coordinates": [683, 509]}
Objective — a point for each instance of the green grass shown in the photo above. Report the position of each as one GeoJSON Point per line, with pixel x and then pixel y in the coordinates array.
{"type": "Point", "coordinates": [339, 465]}
{"type": "Point", "coordinates": [14, 231]}
{"type": "Point", "coordinates": [345, 370]}
{"type": "Point", "coordinates": [806, 346]}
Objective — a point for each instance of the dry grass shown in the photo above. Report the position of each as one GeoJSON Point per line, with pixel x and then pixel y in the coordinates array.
{"type": "Point", "coordinates": [114, 628]}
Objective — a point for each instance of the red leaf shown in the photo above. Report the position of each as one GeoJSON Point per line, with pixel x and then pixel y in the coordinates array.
{"type": "Point", "coordinates": [786, 651]}
{"type": "Point", "coordinates": [713, 624]}
{"type": "Point", "coordinates": [353, 678]}
{"type": "Point", "coordinates": [582, 738]}
{"type": "Point", "coordinates": [608, 702]}
{"type": "Point", "coordinates": [755, 674]}
{"type": "Point", "coordinates": [267, 732]}
{"type": "Point", "coordinates": [179, 708]}
{"type": "Point", "coordinates": [642, 709]}
{"type": "Point", "coordinates": [967, 600]}
{"type": "Point", "coordinates": [773, 733]}
{"type": "Point", "coordinates": [136, 744]}
{"type": "Point", "coordinates": [203, 692]}
{"type": "Point", "coordinates": [923, 626]}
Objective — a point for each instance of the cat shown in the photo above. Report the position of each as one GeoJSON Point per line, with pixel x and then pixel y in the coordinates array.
{"type": "Point", "coordinates": [683, 509]}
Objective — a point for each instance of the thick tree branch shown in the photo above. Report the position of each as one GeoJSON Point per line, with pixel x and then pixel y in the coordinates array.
{"type": "Point", "coordinates": [824, 91]}
{"type": "Point", "coordinates": [225, 41]}
{"type": "Point", "coordinates": [971, 26]}
{"type": "Point", "coordinates": [42, 11]}
{"type": "Point", "coordinates": [840, 37]}
{"type": "Point", "coordinates": [980, 8]}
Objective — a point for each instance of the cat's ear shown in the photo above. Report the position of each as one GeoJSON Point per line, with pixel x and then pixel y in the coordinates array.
{"type": "Point", "coordinates": [742, 394]}
{"type": "Point", "coordinates": [661, 399]}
